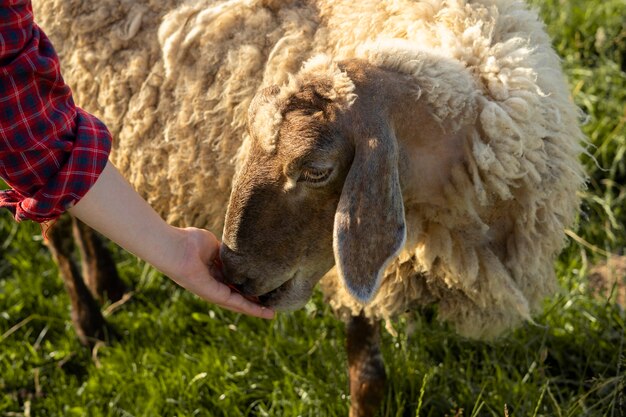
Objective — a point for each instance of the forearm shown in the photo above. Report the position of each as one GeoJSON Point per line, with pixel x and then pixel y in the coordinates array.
{"type": "Point", "coordinates": [114, 208]}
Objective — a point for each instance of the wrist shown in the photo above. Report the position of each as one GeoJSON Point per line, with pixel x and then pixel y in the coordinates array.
{"type": "Point", "coordinates": [172, 253]}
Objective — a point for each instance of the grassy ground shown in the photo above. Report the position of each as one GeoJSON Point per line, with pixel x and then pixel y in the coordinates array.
{"type": "Point", "coordinates": [179, 357]}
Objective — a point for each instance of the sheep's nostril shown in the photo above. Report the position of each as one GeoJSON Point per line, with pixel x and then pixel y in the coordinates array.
{"type": "Point", "coordinates": [229, 271]}
{"type": "Point", "coordinates": [233, 275]}
{"type": "Point", "coordinates": [234, 278]}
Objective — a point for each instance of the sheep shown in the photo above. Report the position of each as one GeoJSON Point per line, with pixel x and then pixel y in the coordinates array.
{"type": "Point", "coordinates": [427, 155]}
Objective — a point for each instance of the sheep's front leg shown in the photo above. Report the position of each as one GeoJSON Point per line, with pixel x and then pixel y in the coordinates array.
{"type": "Point", "coordinates": [99, 270]}
{"type": "Point", "coordinates": [86, 316]}
{"type": "Point", "coordinates": [367, 369]}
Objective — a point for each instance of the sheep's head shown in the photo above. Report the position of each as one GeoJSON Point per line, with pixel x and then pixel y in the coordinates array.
{"type": "Point", "coordinates": [318, 187]}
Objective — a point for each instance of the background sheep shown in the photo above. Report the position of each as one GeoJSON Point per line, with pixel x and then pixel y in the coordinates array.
{"type": "Point", "coordinates": [484, 69]}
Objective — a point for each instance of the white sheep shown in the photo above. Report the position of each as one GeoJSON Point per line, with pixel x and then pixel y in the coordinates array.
{"type": "Point", "coordinates": [450, 146]}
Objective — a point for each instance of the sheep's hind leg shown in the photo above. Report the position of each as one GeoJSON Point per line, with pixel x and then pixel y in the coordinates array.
{"type": "Point", "coordinates": [86, 316]}
{"type": "Point", "coordinates": [98, 269]}
{"type": "Point", "coordinates": [367, 369]}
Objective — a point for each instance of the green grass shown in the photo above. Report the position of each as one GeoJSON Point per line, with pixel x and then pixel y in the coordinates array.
{"type": "Point", "coordinates": [177, 356]}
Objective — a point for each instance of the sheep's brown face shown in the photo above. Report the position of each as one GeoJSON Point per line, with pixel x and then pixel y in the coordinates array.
{"type": "Point", "coordinates": [279, 226]}
{"type": "Point", "coordinates": [319, 187]}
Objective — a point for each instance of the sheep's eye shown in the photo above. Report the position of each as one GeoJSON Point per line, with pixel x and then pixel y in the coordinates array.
{"type": "Point", "coordinates": [315, 175]}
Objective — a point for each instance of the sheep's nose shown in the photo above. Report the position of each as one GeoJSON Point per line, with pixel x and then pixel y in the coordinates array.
{"type": "Point", "coordinates": [232, 275]}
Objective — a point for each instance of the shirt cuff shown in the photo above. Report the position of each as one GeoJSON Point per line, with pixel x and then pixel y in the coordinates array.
{"type": "Point", "coordinates": [85, 161]}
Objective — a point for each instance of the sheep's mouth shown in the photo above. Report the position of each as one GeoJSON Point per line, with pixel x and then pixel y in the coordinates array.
{"type": "Point", "coordinates": [254, 298]}
{"type": "Point", "coordinates": [269, 298]}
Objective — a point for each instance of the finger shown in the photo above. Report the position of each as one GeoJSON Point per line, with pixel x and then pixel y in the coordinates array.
{"type": "Point", "coordinates": [264, 313]}
{"type": "Point", "coordinates": [236, 302]}
{"type": "Point", "coordinates": [218, 293]}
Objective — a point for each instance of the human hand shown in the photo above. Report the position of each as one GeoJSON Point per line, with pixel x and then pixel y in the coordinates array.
{"type": "Point", "coordinates": [198, 269]}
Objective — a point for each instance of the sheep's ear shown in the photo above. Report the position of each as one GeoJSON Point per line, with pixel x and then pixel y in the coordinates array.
{"type": "Point", "coordinates": [369, 228]}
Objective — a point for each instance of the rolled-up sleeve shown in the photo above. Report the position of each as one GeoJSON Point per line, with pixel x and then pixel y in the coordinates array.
{"type": "Point", "coordinates": [51, 152]}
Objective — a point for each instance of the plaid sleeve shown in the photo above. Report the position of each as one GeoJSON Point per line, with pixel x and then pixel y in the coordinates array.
{"type": "Point", "coordinates": [51, 152]}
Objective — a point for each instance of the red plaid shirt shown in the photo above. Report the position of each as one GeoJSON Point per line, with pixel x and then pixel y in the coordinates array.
{"type": "Point", "coordinates": [51, 152]}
